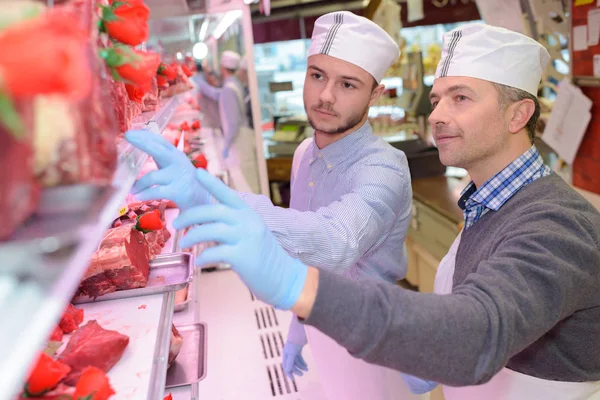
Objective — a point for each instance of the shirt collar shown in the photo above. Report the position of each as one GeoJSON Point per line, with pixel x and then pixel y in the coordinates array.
{"type": "Point", "coordinates": [501, 187]}
{"type": "Point", "coordinates": [340, 150]}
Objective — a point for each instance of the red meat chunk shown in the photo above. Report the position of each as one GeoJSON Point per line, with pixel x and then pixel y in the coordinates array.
{"type": "Point", "coordinates": [92, 345]}
{"type": "Point", "coordinates": [71, 319]}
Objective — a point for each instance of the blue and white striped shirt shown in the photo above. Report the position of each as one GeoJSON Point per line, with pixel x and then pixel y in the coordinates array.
{"type": "Point", "coordinates": [350, 208]}
{"type": "Point", "coordinates": [496, 191]}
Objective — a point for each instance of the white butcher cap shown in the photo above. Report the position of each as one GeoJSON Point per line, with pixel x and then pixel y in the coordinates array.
{"type": "Point", "coordinates": [354, 39]}
{"type": "Point", "coordinates": [493, 54]}
{"type": "Point", "coordinates": [230, 59]}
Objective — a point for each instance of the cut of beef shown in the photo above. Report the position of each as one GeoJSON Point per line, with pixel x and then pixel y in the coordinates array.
{"type": "Point", "coordinates": [175, 344]}
{"type": "Point", "coordinates": [75, 140]}
{"type": "Point", "coordinates": [150, 99]}
{"type": "Point", "coordinates": [121, 263]}
{"type": "Point", "coordinates": [120, 100]}
{"type": "Point", "coordinates": [156, 240]}
{"type": "Point", "coordinates": [19, 192]}
{"type": "Point", "coordinates": [71, 319]}
{"type": "Point", "coordinates": [92, 345]}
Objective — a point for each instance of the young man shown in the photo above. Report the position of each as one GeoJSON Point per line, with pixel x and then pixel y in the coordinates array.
{"type": "Point", "coordinates": [351, 194]}
{"type": "Point", "coordinates": [516, 314]}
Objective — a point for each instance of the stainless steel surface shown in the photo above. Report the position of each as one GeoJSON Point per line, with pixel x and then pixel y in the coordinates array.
{"type": "Point", "coordinates": [161, 352]}
{"type": "Point", "coordinates": [168, 273]}
{"type": "Point", "coordinates": [190, 365]}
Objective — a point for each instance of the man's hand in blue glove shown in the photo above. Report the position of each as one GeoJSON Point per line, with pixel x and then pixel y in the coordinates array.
{"type": "Point", "coordinates": [418, 385]}
{"type": "Point", "coordinates": [245, 243]}
{"type": "Point", "coordinates": [293, 362]}
{"type": "Point", "coordinates": [175, 179]}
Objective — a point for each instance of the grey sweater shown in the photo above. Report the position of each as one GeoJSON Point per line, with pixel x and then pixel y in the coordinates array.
{"type": "Point", "coordinates": [526, 296]}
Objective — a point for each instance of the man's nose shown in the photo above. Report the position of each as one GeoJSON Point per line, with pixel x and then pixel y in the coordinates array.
{"type": "Point", "coordinates": [328, 94]}
{"type": "Point", "coordinates": [440, 114]}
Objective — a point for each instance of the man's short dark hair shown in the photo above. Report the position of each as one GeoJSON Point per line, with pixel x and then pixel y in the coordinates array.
{"type": "Point", "coordinates": [375, 84]}
{"type": "Point", "coordinates": [508, 95]}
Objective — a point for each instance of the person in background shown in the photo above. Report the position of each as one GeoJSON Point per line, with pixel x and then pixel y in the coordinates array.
{"type": "Point", "coordinates": [242, 74]}
{"type": "Point", "coordinates": [516, 311]}
{"type": "Point", "coordinates": [208, 105]}
{"type": "Point", "coordinates": [239, 143]}
{"type": "Point", "coordinates": [351, 193]}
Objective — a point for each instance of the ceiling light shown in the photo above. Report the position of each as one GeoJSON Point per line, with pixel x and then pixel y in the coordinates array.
{"type": "Point", "coordinates": [179, 56]}
{"type": "Point", "coordinates": [200, 50]}
{"type": "Point", "coordinates": [203, 29]}
{"type": "Point", "coordinates": [226, 22]}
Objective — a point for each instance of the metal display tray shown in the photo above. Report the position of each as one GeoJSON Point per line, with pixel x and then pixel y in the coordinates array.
{"type": "Point", "coordinates": [190, 365]}
{"type": "Point", "coordinates": [184, 304]}
{"type": "Point", "coordinates": [168, 273]}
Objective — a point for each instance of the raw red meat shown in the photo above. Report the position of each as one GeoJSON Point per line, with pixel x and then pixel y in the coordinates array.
{"type": "Point", "coordinates": [150, 100]}
{"type": "Point", "coordinates": [121, 263]}
{"type": "Point", "coordinates": [175, 345]}
{"type": "Point", "coordinates": [75, 140]}
{"type": "Point", "coordinates": [94, 346]}
{"type": "Point", "coordinates": [57, 335]}
{"type": "Point", "coordinates": [156, 240]}
{"type": "Point", "coordinates": [19, 192]}
{"type": "Point", "coordinates": [120, 102]}
{"type": "Point", "coordinates": [71, 319]}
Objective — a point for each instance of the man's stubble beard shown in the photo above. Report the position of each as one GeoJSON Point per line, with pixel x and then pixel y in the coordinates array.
{"type": "Point", "coordinates": [347, 125]}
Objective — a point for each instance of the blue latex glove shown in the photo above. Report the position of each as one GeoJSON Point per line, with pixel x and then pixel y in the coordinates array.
{"type": "Point", "coordinates": [244, 242]}
{"type": "Point", "coordinates": [175, 179]}
{"type": "Point", "coordinates": [418, 385]}
{"type": "Point", "coordinates": [293, 362]}
{"type": "Point", "coordinates": [225, 153]}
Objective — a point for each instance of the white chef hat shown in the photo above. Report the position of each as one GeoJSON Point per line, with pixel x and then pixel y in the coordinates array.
{"type": "Point", "coordinates": [493, 54]}
{"type": "Point", "coordinates": [354, 39]}
{"type": "Point", "coordinates": [230, 59]}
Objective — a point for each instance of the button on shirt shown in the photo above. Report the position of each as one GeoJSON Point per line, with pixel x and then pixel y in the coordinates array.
{"type": "Point", "coordinates": [350, 208]}
{"type": "Point", "coordinates": [492, 195]}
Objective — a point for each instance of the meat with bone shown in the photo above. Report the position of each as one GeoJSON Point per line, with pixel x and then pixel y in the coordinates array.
{"type": "Point", "coordinates": [156, 239]}
{"type": "Point", "coordinates": [75, 139]}
{"type": "Point", "coordinates": [121, 263]}
{"type": "Point", "coordinates": [19, 192]}
{"type": "Point", "coordinates": [92, 345]}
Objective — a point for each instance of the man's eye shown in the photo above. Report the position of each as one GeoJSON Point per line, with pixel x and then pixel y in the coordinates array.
{"type": "Point", "coordinates": [434, 105]}
{"type": "Point", "coordinates": [461, 98]}
{"type": "Point", "coordinates": [348, 85]}
{"type": "Point", "coordinates": [317, 76]}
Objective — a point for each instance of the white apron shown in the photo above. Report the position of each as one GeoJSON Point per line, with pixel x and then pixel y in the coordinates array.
{"type": "Point", "coordinates": [242, 153]}
{"type": "Point", "coordinates": [344, 377]}
{"type": "Point", "coordinates": [508, 384]}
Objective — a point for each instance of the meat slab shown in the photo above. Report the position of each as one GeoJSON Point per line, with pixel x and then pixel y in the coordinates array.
{"type": "Point", "coordinates": [92, 345]}
{"type": "Point", "coordinates": [122, 262]}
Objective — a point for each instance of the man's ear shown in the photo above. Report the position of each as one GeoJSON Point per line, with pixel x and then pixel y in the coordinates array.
{"type": "Point", "coordinates": [376, 94]}
{"type": "Point", "coordinates": [521, 113]}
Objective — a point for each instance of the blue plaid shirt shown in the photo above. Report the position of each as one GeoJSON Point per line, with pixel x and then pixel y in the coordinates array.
{"type": "Point", "coordinates": [501, 187]}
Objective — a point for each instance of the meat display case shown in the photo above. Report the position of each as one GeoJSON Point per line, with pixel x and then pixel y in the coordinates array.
{"type": "Point", "coordinates": [43, 265]}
